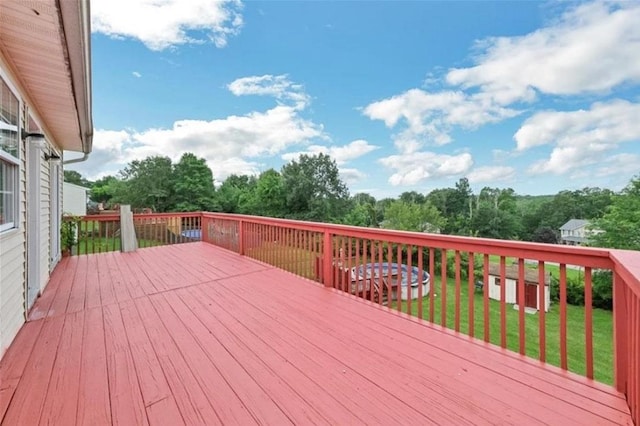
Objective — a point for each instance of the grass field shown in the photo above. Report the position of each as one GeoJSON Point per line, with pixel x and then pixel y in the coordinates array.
{"type": "Point", "coordinates": [602, 329]}
{"type": "Point", "coordinates": [101, 245]}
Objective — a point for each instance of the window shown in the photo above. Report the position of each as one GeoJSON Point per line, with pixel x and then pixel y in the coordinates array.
{"type": "Point", "coordinates": [9, 157]}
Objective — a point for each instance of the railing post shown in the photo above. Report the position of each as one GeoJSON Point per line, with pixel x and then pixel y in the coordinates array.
{"type": "Point", "coordinates": [619, 334]}
{"type": "Point", "coordinates": [241, 237]}
{"type": "Point", "coordinates": [327, 259]}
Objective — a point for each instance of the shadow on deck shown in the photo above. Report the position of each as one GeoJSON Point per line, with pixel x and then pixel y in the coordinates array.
{"type": "Point", "coordinates": [194, 334]}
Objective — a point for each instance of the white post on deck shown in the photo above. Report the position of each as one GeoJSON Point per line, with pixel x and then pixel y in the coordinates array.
{"type": "Point", "coordinates": [128, 239]}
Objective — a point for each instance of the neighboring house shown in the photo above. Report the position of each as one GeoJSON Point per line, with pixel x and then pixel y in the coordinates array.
{"type": "Point", "coordinates": [531, 283]}
{"type": "Point", "coordinates": [576, 232]}
{"type": "Point", "coordinates": [74, 199]}
{"type": "Point", "coordinates": [45, 110]}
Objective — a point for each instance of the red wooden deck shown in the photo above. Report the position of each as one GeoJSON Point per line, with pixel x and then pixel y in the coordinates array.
{"type": "Point", "coordinates": [194, 334]}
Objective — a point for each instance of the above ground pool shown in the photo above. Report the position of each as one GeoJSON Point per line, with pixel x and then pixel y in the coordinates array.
{"type": "Point", "coordinates": [385, 269]}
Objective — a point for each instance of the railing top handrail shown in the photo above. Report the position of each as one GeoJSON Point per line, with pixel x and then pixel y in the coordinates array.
{"type": "Point", "coordinates": [582, 256]}
{"type": "Point", "coordinates": [627, 265]}
{"type": "Point", "coordinates": [112, 217]}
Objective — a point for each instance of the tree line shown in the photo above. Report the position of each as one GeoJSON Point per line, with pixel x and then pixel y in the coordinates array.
{"type": "Point", "coordinates": [310, 188]}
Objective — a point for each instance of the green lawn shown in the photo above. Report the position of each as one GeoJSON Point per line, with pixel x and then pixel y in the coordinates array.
{"type": "Point", "coordinates": [602, 329]}
{"type": "Point", "coordinates": [101, 245]}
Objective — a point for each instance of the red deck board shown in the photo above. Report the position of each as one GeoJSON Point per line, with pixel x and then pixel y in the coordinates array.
{"type": "Point", "coordinates": [60, 405]}
{"type": "Point", "coordinates": [268, 400]}
{"type": "Point", "coordinates": [15, 360]}
{"type": "Point", "coordinates": [194, 405]}
{"type": "Point", "coordinates": [324, 380]}
{"type": "Point", "coordinates": [153, 385]}
{"type": "Point", "coordinates": [464, 375]}
{"type": "Point", "coordinates": [127, 407]}
{"type": "Point", "coordinates": [77, 297]}
{"type": "Point", "coordinates": [94, 405]}
{"type": "Point", "coordinates": [92, 292]}
{"type": "Point", "coordinates": [41, 308]}
{"type": "Point", "coordinates": [26, 405]}
{"type": "Point", "coordinates": [194, 334]}
{"type": "Point", "coordinates": [105, 282]}
{"type": "Point", "coordinates": [324, 336]}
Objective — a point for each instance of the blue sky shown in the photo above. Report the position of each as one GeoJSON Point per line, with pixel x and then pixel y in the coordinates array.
{"type": "Point", "coordinates": [537, 96]}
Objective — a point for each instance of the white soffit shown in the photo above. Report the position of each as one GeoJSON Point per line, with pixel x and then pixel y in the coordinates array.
{"type": "Point", "coordinates": [47, 44]}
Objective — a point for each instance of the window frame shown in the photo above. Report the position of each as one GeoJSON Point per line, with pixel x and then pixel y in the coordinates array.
{"type": "Point", "coordinates": [13, 162]}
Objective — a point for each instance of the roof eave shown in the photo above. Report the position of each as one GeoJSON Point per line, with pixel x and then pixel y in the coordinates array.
{"type": "Point", "coordinates": [76, 25]}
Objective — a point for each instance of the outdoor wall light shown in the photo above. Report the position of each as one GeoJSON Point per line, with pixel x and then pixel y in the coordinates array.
{"type": "Point", "coordinates": [26, 135]}
{"type": "Point", "coordinates": [53, 157]}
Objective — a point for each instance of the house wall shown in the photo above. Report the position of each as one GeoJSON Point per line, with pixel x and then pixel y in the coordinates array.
{"type": "Point", "coordinates": [13, 268]}
{"type": "Point", "coordinates": [14, 262]}
{"type": "Point", "coordinates": [75, 200]}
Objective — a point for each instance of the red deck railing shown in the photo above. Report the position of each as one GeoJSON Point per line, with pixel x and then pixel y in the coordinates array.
{"type": "Point", "coordinates": [365, 262]}
{"type": "Point", "coordinates": [460, 283]}
{"type": "Point", "coordinates": [101, 233]}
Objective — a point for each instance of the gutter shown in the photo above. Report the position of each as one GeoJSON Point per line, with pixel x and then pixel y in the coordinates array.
{"type": "Point", "coordinates": [85, 157]}
{"type": "Point", "coordinates": [75, 18]}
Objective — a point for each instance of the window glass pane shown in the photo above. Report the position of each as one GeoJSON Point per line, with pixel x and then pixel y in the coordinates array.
{"type": "Point", "coordinates": [8, 203]}
{"type": "Point", "coordinates": [9, 112]}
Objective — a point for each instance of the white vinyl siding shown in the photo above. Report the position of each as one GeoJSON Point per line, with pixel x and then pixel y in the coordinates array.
{"type": "Point", "coordinates": [13, 268]}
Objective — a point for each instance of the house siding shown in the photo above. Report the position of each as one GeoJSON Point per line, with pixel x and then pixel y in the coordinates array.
{"type": "Point", "coordinates": [13, 266]}
{"type": "Point", "coordinates": [13, 243]}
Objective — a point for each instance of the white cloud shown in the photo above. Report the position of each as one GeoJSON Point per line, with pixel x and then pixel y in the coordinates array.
{"type": "Point", "coordinates": [136, 74]}
{"type": "Point", "coordinates": [166, 23]}
{"type": "Point", "coordinates": [592, 48]}
{"type": "Point", "coordinates": [491, 174]}
{"type": "Point", "coordinates": [622, 165]}
{"type": "Point", "coordinates": [230, 145]}
{"type": "Point", "coordinates": [341, 154]}
{"type": "Point", "coordinates": [430, 116]}
{"type": "Point", "coordinates": [351, 176]}
{"type": "Point", "coordinates": [278, 86]}
{"type": "Point", "coordinates": [604, 123]}
{"type": "Point", "coordinates": [579, 138]}
{"type": "Point", "coordinates": [417, 167]}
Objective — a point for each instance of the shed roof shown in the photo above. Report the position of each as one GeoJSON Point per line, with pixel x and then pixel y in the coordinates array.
{"type": "Point", "coordinates": [511, 272]}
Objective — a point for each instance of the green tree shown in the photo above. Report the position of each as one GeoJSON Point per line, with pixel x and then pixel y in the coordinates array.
{"type": "Point", "coordinates": [364, 211]}
{"type": "Point", "coordinates": [236, 193]}
{"type": "Point", "coordinates": [413, 217]}
{"type": "Point", "coordinates": [270, 197]}
{"type": "Point", "coordinates": [193, 190]}
{"type": "Point", "coordinates": [148, 183]}
{"type": "Point", "coordinates": [620, 225]}
{"type": "Point", "coordinates": [495, 214]}
{"type": "Point", "coordinates": [314, 190]}
{"type": "Point", "coordinates": [71, 176]}
{"type": "Point", "coordinates": [103, 190]}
